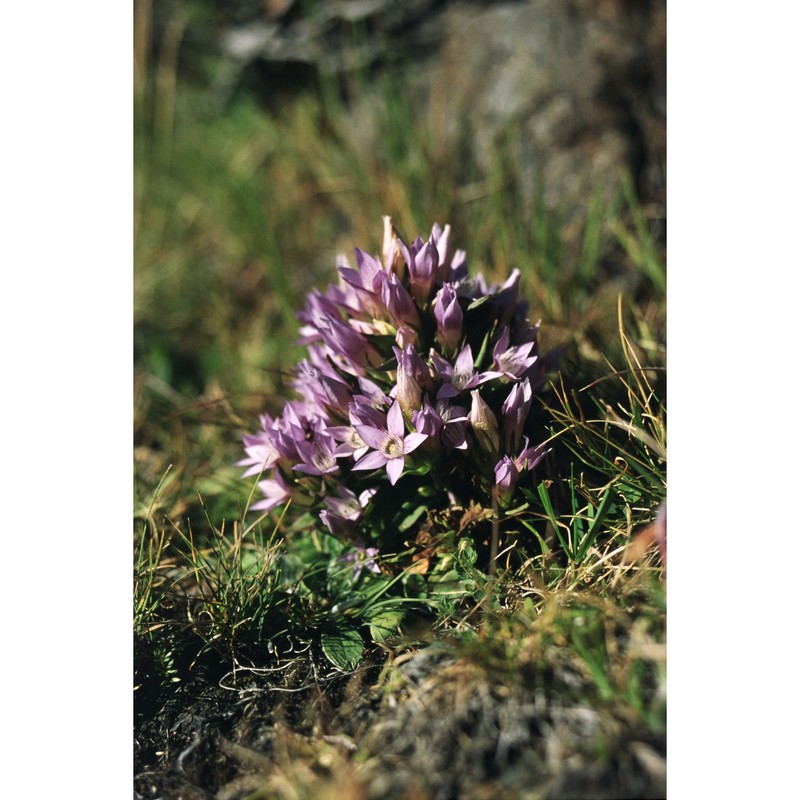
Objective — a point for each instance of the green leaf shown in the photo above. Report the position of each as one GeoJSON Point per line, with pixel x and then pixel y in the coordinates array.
{"type": "Point", "coordinates": [384, 625]}
{"type": "Point", "coordinates": [411, 518]}
{"type": "Point", "coordinates": [343, 647]}
{"type": "Point", "coordinates": [467, 554]}
{"type": "Point", "coordinates": [479, 302]}
{"type": "Point", "coordinates": [542, 543]}
{"type": "Point", "coordinates": [594, 526]}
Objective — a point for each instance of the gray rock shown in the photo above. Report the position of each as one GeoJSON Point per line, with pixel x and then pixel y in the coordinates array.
{"type": "Point", "coordinates": [577, 88]}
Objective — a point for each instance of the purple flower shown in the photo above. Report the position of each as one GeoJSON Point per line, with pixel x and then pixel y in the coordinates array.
{"type": "Point", "coordinates": [422, 260]}
{"type": "Point", "coordinates": [484, 423]}
{"type": "Point", "coordinates": [406, 337]}
{"type": "Point", "coordinates": [275, 492]}
{"type": "Point", "coordinates": [261, 452]}
{"type": "Point", "coordinates": [515, 412]}
{"type": "Point", "coordinates": [343, 340]}
{"type": "Point", "coordinates": [449, 421]}
{"type": "Point", "coordinates": [363, 410]}
{"type": "Point", "coordinates": [392, 256]}
{"type": "Point", "coordinates": [367, 275]}
{"type": "Point", "coordinates": [351, 444]}
{"type": "Point", "coordinates": [512, 362]}
{"type": "Point", "coordinates": [428, 421]}
{"type": "Point", "coordinates": [361, 558]}
{"type": "Point", "coordinates": [412, 375]}
{"type": "Point", "coordinates": [391, 444]}
{"type": "Point", "coordinates": [458, 267]}
{"type": "Point", "coordinates": [326, 390]}
{"type": "Point", "coordinates": [409, 394]}
{"type": "Point", "coordinates": [317, 457]}
{"type": "Point", "coordinates": [346, 505]}
{"type": "Point", "coordinates": [505, 476]}
{"type": "Point", "coordinates": [355, 407]}
{"type": "Point", "coordinates": [461, 376]}
{"type": "Point", "coordinates": [340, 527]}
{"type": "Point", "coordinates": [449, 317]}
{"type": "Point", "coordinates": [455, 419]}
{"type": "Point", "coordinates": [410, 361]}
{"type": "Point", "coordinates": [344, 510]}
{"type": "Point", "coordinates": [399, 304]}
{"type": "Point", "coordinates": [507, 297]}
{"type": "Point", "coordinates": [530, 457]}
{"type": "Point", "coordinates": [441, 240]}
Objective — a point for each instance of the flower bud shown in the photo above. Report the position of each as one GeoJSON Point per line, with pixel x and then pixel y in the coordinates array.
{"type": "Point", "coordinates": [441, 238]}
{"type": "Point", "coordinates": [409, 394]}
{"type": "Point", "coordinates": [449, 317]}
{"type": "Point", "coordinates": [422, 259]}
{"type": "Point", "coordinates": [399, 304]}
{"type": "Point", "coordinates": [392, 256]}
{"type": "Point", "coordinates": [484, 423]}
{"type": "Point", "coordinates": [428, 421]}
{"type": "Point", "coordinates": [505, 477]}
{"type": "Point", "coordinates": [515, 412]}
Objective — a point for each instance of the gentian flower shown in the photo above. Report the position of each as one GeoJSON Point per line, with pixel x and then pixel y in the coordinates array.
{"type": "Point", "coordinates": [344, 341]}
{"type": "Point", "coordinates": [506, 474]}
{"type": "Point", "coordinates": [275, 491]}
{"type": "Point", "coordinates": [428, 421]}
{"type": "Point", "coordinates": [455, 419]}
{"type": "Point", "coordinates": [326, 390]}
{"type": "Point", "coordinates": [515, 412]}
{"type": "Point", "coordinates": [346, 504]}
{"type": "Point", "coordinates": [461, 376]}
{"type": "Point", "coordinates": [392, 256]}
{"type": "Point", "coordinates": [391, 444]}
{"type": "Point", "coordinates": [449, 317]}
{"type": "Point", "coordinates": [399, 305]}
{"type": "Point", "coordinates": [529, 457]}
{"type": "Point", "coordinates": [422, 260]}
{"type": "Point", "coordinates": [391, 355]}
{"type": "Point", "coordinates": [261, 452]}
{"type": "Point", "coordinates": [361, 558]}
{"type": "Point", "coordinates": [317, 457]}
{"type": "Point", "coordinates": [484, 423]}
{"type": "Point", "coordinates": [445, 421]}
{"type": "Point", "coordinates": [512, 362]}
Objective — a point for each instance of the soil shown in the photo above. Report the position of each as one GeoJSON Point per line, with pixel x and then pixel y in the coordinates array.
{"type": "Point", "coordinates": [430, 726]}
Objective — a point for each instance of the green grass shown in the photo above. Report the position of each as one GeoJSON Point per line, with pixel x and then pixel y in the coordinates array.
{"type": "Point", "coordinates": [238, 214]}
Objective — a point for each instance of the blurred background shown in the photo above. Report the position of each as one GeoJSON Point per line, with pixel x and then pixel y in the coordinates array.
{"type": "Point", "coordinates": [273, 134]}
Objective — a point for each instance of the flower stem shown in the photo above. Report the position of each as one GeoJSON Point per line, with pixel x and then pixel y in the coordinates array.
{"type": "Point", "coordinates": [495, 533]}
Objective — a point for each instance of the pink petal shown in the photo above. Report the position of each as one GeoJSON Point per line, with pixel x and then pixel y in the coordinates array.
{"type": "Point", "coordinates": [374, 437]}
{"type": "Point", "coordinates": [394, 421]}
{"type": "Point", "coordinates": [413, 441]}
{"type": "Point", "coordinates": [394, 469]}
{"type": "Point", "coordinates": [372, 460]}
{"type": "Point", "coordinates": [464, 362]}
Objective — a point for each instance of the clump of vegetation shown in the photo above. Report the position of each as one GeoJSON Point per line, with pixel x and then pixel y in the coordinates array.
{"type": "Point", "coordinates": [435, 503]}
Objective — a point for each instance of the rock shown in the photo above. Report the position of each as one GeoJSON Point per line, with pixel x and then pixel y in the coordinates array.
{"type": "Point", "coordinates": [576, 87]}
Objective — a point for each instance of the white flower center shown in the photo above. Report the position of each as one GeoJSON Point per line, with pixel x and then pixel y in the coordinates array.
{"type": "Point", "coordinates": [392, 447]}
{"type": "Point", "coordinates": [460, 379]}
{"type": "Point", "coordinates": [321, 459]}
{"type": "Point", "coordinates": [354, 440]}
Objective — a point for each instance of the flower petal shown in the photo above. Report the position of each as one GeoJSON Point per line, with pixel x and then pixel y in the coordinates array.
{"type": "Point", "coordinates": [372, 460]}
{"type": "Point", "coordinates": [394, 469]}
{"type": "Point", "coordinates": [374, 437]}
{"type": "Point", "coordinates": [394, 421]}
{"type": "Point", "coordinates": [413, 441]}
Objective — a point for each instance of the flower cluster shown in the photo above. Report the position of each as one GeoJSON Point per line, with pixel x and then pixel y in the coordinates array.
{"type": "Point", "coordinates": [415, 374]}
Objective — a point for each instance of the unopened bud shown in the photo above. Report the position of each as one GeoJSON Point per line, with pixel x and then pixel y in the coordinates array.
{"type": "Point", "coordinates": [484, 423]}
{"type": "Point", "coordinates": [392, 257]}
